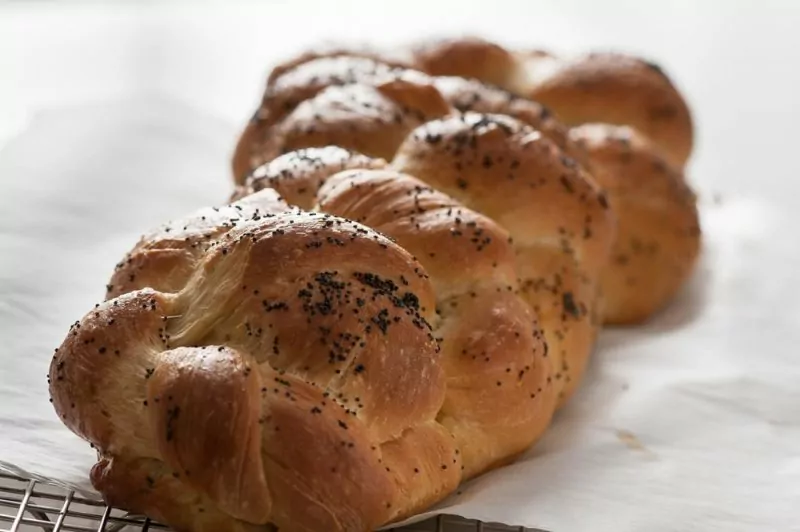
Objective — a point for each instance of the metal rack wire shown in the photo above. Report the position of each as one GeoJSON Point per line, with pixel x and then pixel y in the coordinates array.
{"type": "Point", "coordinates": [31, 506]}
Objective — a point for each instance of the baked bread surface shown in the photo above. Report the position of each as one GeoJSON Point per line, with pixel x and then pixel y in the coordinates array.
{"type": "Point", "coordinates": [407, 283]}
{"type": "Point", "coordinates": [292, 378]}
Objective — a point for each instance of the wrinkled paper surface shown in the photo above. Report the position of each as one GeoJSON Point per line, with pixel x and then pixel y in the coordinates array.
{"type": "Point", "coordinates": [691, 422]}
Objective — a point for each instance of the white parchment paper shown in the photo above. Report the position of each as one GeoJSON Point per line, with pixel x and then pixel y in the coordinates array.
{"type": "Point", "coordinates": [691, 422]}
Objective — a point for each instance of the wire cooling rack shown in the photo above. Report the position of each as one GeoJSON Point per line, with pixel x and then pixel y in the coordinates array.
{"type": "Point", "coordinates": [33, 506]}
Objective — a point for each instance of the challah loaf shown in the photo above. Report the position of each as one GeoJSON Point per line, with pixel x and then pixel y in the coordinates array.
{"type": "Point", "coordinates": [290, 378]}
{"type": "Point", "coordinates": [280, 363]}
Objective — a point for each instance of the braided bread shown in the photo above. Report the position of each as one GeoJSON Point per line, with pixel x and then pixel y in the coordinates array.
{"type": "Point", "coordinates": [279, 362]}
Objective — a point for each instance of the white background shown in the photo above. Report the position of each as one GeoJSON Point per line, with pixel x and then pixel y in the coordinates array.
{"type": "Point", "coordinates": [737, 60]}
{"type": "Point", "coordinates": [118, 116]}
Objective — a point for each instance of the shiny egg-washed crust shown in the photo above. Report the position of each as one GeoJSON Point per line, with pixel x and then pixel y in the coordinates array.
{"type": "Point", "coordinates": [560, 221]}
{"type": "Point", "coordinates": [606, 87]}
{"type": "Point", "coordinates": [292, 378]}
{"type": "Point", "coordinates": [500, 388]}
{"type": "Point", "coordinates": [387, 103]}
{"type": "Point", "coordinates": [371, 119]}
{"type": "Point", "coordinates": [472, 95]}
{"type": "Point", "coordinates": [301, 79]}
{"type": "Point", "coordinates": [392, 57]}
{"type": "Point", "coordinates": [500, 394]}
{"type": "Point", "coordinates": [658, 232]}
{"type": "Point", "coordinates": [611, 88]}
{"type": "Point", "coordinates": [166, 257]}
{"type": "Point", "coordinates": [523, 181]}
{"type": "Point", "coordinates": [227, 330]}
{"type": "Point", "coordinates": [467, 57]}
{"type": "Point", "coordinates": [299, 174]}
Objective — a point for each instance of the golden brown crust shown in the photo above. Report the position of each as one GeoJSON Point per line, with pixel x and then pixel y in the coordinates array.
{"type": "Point", "coordinates": [432, 226]}
{"type": "Point", "coordinates": [499, 400]}
{"type": "Point", "coordinates": [599, 87]}
{"type": "Point", "coordinates": [426, 477]}
{"type": "Point", "coordinates": [403, 91]}
{"type": "Point", "coordinates": [321, 465]}
{"type": "Point", "coordinates": [256, 365]}
{"type": "Point", "coordinates": [299, 338]}
{"type": "Point", "coordinates": [559, 220]}
{"type": "Point", "coordinates": [658, 238]}
{"type": "Point", "coordinates": [225, 464]}
{"type": "Point", "coordinates": [500, 388]}
{"type": "Point", "coordinates": [472, 95]}
{"type": "Point", "coordinates": [608, 87]}
{"type": "Point", "coordinates": [369, 119]}
{"type": "Point", "coordinates": [241, 158]}
{"type": "Point", "coordinates": [396, 58]}
{"type": "Point", "coordinates": [467, 57]}
{"type": "Point", "coordinates": [617, 89]}
{"type": "Point", "coordinates": [117, 339]}
{"type": "Point", "coordinates": [165, 258]}
{"type": "Point", "coordinates": [299, 174]}
{"type": "Point", "coordinates": [563, 175]}
{"type": "Point", "coordinates": [291, 84]}
{"type": "Point", "coordinates": [530, 187]}
{"type": "Point", "coordinates": [148, 486]}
